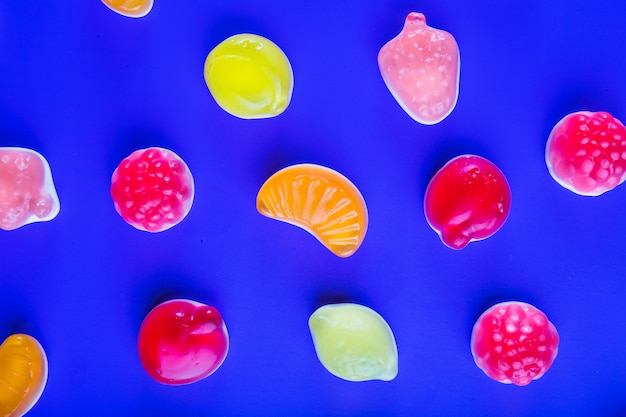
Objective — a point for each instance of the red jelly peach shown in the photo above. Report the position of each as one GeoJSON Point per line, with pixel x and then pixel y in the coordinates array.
{"type": "Point", "coordinates": [152, 189]}
{"type": "Point", "coordinates": [421, 68]}
{"type": "Point", "coordinates": [467, 200]}
{"type": "Point", "coordinates": [514, 343]}
{"type": "Point", "coordinates": [586, 152]}
{"type": "Point", "coordinates": [182, 341]}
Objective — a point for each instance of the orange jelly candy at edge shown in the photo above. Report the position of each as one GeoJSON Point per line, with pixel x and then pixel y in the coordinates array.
{"type": "Point", "coordinates": [23, 374]}
{"type": "Point", "coordinates": [320, 201]}
{"type": "Point", "coordinates": [130, 8]}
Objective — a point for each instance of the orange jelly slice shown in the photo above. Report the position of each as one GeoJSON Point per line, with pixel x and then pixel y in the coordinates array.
{"type": "Point", "coordinates": [319, 200]}
{"type": "Point", "coordinates": [130, 8]}
{"type": "Point", "coordinates": [23, 374]}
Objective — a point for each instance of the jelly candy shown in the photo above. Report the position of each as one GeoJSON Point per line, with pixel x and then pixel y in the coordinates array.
{"type": "Point", "coordinates": [249, 76]}
{"type": "Point", "coordinates": [23, 374]}
{"type": "Point", "coordinates": [467, 200]}
{"type": "Point", "coordinates": [130, 8]}
{"type": "Point", "coordinates": [152, 189]}
{"type": "Point", "coordinates": [514, 342]}
{"type": "Point", "coordinates": [319, 200]}
{"type": "Point", "coordinates": [586, 152]}
{"type": "Point", "coordinates": [421, 68]}
{"type": "Point", "coordinates": [354, 343]}
{"type": "Point", "coordinates": [182, 341]}
{"type": "Point", "coordinates": [27, 192]}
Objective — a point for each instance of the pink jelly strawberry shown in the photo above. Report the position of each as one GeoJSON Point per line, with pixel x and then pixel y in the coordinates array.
{"type": "Point", "coordinates": [421, 68]}
{"type": "Point", "coordinates": [152, 189]}
{"type": "Point", "coordinates": [514, 342]}
{"type": "Point", "coordinates": [586, 152]}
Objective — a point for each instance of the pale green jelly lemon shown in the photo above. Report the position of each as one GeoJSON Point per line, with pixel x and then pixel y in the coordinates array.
{"type": "Point", "coordinates": [354, 342]}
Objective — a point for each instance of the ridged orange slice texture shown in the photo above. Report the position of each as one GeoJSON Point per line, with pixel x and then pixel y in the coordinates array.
{"type": "Point", "coordinates": [23, 374]}
{"type": "Point", "coordinates": [320, 201]}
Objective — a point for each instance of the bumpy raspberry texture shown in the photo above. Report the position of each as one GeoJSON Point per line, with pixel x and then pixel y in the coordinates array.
{"type": "Point", "coordinates": [152, 189]}
{"type": "Point", "coordinates": [586, 152]}
{"type": "Point", "coordinates": [514, 343]}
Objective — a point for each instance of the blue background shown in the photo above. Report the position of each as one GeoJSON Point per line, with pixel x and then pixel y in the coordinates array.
{"type": "Point", "coordinates": [85, 87]}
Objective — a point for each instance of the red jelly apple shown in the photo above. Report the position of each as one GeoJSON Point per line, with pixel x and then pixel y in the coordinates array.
{"type": "Point", "coordinates": [586, 152]}
{"type": "Point", "coordinates": [468, 199]}
{"type": "Point", "coordinates": [152, 189]}
{"type": "Point", "coordinates": [514, 342]}
{"type": "Point", "coordinates": [182, 341]}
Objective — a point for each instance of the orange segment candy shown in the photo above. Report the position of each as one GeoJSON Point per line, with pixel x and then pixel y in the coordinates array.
{"type": "Point", "coordinates": [23, 374]}
{"type": "Point", "coordinates": [130, 8]}
{"type": "Point", "coordinates": [319, 200]}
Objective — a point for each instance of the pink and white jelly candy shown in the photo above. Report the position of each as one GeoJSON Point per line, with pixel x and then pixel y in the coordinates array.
{"type": "Point", "coordinates": [152, 189]}
{"type": "Point", "coordinates": [27, 193]}
{"type": "Point", "coordinates": [514, 343]}
{"type": "Point", "coordinates": [421, 68]}
{"type": "Point", "coordinates": [586, 152]}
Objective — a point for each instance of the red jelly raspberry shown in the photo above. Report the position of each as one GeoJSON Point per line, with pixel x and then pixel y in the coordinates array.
{"type": "Point", "coordinates": [152, 189]}
{"type": "Point", "coordinates": [514, 342]}
{"type": "Point", "coordinates": [468, 199]}
{"type": "Point", "coordinates": [586, 152]}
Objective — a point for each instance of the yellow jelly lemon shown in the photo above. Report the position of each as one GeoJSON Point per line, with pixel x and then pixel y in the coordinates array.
{"type": "Point", "coordinates": [23, 374]}
{"type": "Point", "coordinates": [130, 8]}
{"type": "Point", "coordinates": [354, 343]}
{"type": "Point", "coordinates": [249, 76]}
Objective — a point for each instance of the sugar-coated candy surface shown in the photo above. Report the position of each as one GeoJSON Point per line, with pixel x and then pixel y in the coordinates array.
{"type": "Point", "coordinates": [514, 342]}
{"type": "Point", "coordinates": [249, 76]}
{"type": "Point", "coordinates": [586, 152]}
{"type": "Point", "coordinates": [152, 189]}
{"type": "Point", "coordinates": [319, 200]}
{"type": "Point", "coordinates": [421, 68]}
{"type": "Point", "coordinates": [467, 200]}
{"type": "Point", "coordinates": [130, 8]}
{"type": "Point", "coordinates": [182, 341]}
{"type": "Point", "coordinates": [23, 374]}
{"type": "Point", "coordinates": [354, 342]}
{"type": "Point", "coordinates": [27, 192]}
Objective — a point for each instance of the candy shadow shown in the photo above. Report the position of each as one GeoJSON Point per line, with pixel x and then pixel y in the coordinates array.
{"type": "Point", "coordinates": [283, 151]}
{"type": "Point", "coordinates": [164, 286]}
{"type": "Point", "coordinates": [132, 139]}
{"type": "Point", "coordinates": [232, 24]}
{"type": "Point", "coordinates": [327, 296]}
{"type": "Point", "coordinates": [17, 132]}
{"type": "Point", "coordinates": [17, 315]}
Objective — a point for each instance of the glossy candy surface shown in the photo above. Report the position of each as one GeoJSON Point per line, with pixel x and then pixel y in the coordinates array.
{"type": "Point", "coordinates": [23, 374]}
{"type": "Point", "coordinates": [249, 76]}
{"type": "Point", "coordinates": [130, 8]}
{"type": "Point", "coordinates": [421, 68]}
{"type": "Point", "coordinates": [182, 341]}
{"type": "Point", "coordinates": [468, 199]}
{"type": "Point", "coordinates": [27, 192]}
{"type": "Point", "coordinates": [320, 201]}
{"type": "Point", "coordinates": [354, 343]}
{"type": "Point", "coordinates": [586, 152]}
{"type": "Point", "coordinates": [152, 189]}
{"type": "Point", "coordinates": [514, 342]}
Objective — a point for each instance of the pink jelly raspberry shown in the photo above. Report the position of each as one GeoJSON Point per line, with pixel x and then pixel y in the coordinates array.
{"type": "Point", "coordinates": [586, 152]}
{"type": "Point", "coordinates": [514, 342]}
{"type": "Point", "coordinates": [152, 189]}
